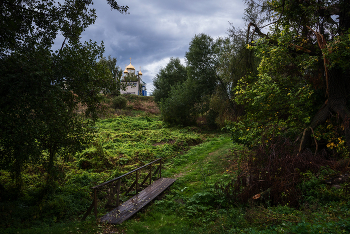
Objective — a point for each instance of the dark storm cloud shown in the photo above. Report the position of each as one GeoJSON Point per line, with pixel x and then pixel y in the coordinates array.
{"type": "Point", "coordinates": [156, 30]}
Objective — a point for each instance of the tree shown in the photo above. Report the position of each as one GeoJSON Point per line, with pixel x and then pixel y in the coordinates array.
{"type": "Point", "coordinates": [174, 73]}
{"type": "Point", "coordinates": [202, 61]}
{"type": "Point", "coordinates": [235, 61]}
{"type": "Point", "coordinates": [202, 79]}
{"type": "Point", "coordinates": [116, 85]}
{"type": "Point", "coordinates": [314, 36]}
{"type": "Point", "coordinates": [179, 107]}
{"type": "Point", "coordinates": [41, 89]}
{"type": "Point", "coordinates": [277, 98]}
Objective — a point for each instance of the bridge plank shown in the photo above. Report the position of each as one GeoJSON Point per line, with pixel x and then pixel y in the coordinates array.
{"type": "Point", "coordinates": [134, 204]}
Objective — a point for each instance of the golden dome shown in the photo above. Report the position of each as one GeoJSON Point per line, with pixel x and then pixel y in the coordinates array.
{"type": "Point", "coordinates": [126, 71]}
{"type": "Point", "coordinates": [140, 73]}
{"type": "Point", "coordinates": [130, 67]}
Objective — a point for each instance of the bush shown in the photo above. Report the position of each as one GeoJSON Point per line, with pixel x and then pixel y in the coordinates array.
{"type": "Point", "coordinates": [119, 102]}
{"type": "Point", "coordinates": [178, 108]}
{"type": "Point", "coordinates": [272, 173]}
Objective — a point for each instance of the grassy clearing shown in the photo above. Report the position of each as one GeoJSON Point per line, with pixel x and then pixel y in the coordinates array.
{"type": "Point", "coordinates": [193, 206]}
{"type": "Point", "coordinates": [123, 143]}
{"type": "Point", "coordinates": [196, 172]}
{"type": "Point", "coordinates": [136, 106]}
{"type": "Point", "coordinates": [199, 160]}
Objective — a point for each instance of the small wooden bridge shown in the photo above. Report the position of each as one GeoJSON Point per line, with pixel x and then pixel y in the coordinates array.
{"type": "Point", "coordinates": [114, 191]}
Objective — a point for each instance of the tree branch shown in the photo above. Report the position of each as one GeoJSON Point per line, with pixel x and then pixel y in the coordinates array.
{"type": "Point", "coordinates": [256, 29]}
{"type": "Point", "coordinates": [322, 43]}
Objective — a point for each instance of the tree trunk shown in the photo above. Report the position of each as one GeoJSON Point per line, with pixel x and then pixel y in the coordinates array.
{"type": "Point", "coordinates": [336, 102]}
{"type": "Point", "coordinates": [337, 88]}
{"type": "Point", "coordinates": [18, 174]}
{"type": "Point", "coordinates": [50, 166]}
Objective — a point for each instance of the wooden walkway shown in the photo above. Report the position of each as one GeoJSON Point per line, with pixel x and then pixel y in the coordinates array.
{"type": "Point", "coordinates": [133, 205]}
{"type": "Point", "coordinates": [113, 192]}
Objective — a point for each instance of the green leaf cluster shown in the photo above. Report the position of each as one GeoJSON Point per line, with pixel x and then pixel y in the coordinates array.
{"type": "Point", "coordinates": [278, 99]}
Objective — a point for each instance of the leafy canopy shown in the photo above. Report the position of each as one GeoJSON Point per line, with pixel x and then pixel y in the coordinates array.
{"type": "Point", "coordinates": [174, 73]}
{"type": "Point", "coordinates": [187, 99]}
{"type": "Point", "coordinates": [41, 89]}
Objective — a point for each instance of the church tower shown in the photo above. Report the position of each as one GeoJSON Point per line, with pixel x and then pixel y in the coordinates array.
{"type": "Point", "coordinates": [133, 80]}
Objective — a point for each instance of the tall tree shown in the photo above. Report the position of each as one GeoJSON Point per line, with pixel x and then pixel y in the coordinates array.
{"type": "Point", "coordinates": [116, 85]}
{"type": "Point", "coordinates": [174, 73]}
{"type": "Point", "coordinates": [193, 95]}
{"type": "Point", "coordinates": [202, 64]}
{"type": "Point", "coordinates": [202, 61]}
{"type": "Point", "coordinates": [41, 89]}
{"type": "Point", "coordinates": [235, 61]}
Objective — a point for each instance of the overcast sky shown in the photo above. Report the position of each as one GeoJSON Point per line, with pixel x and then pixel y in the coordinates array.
{"type": "Point", "coordinates": [156, 30]}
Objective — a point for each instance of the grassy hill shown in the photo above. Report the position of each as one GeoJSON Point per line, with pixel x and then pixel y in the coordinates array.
{"type": "Point", "coordinates": [202, 200]}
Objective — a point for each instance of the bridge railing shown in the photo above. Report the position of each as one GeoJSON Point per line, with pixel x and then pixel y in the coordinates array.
{"type": "Point", "coordinates": [113, 192]}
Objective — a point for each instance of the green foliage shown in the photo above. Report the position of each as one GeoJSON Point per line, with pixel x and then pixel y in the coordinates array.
{"type": "Point", "coordinates": [41, 89]}
{"type": "Point", "coordinates": [202, 204]}
{"type": "Point", "coordinates": [190, 98]}
{"type": "Point", "coordinates": [174, 73]}
{"type": "Point", "coordinates": [115, 84]}
{"type": "Point", "coordinates": [178, 108]}
{"type": "Point", "coordinates": [235, 61]}
{"type": "Point", "coordinates": [299, 58]}
{"type": "Point", "coordinates": [125, 143]}
{"type": "Point", "coordinates": [119, 102]}
{"type": "Point", "coordinates": [338, 51]}
{"type": "Point", "coordinates": [316, 191]}
{"type": "Point", "coordinates": [38, 205]}
{"type": "Point", "coordinates": [202, 62]}
{"type": "Point", "coordinates": [278, 96]}
{"type": "Point", "coordinates": [330, 136]}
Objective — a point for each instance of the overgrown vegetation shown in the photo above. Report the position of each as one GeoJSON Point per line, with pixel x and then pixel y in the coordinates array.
{"type": "Point", "coordinates": [119, 102]}
{"type": "Point", "coordinates": [282, 96]}
{"type": "Point", "coordinates": [285, 95]}
{"type": "Point", "coordinates": [211, 194]}
{"type": "Point", "coordinates": [122, 143]}
{"type": "Point", "coordinates": [41, 88]}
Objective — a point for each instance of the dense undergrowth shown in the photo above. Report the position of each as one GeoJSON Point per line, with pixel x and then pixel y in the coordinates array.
{"type": "Point", "coordinates": [122, 143]}
{"type": "Point", "coordinates": [221, 187]}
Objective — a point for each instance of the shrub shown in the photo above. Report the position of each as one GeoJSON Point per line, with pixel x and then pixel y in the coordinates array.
{"type": "Point", "coordinates": [119, 102]}
{"type": "Point", "coordinates": [178, 108]}
{"type": "Point", "coordinates": [272, 173]}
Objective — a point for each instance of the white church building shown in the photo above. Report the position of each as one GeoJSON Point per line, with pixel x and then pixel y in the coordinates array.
{"type": "Point", "coordinates": [134, 84]}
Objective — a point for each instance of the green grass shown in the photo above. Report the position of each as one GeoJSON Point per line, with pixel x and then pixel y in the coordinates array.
{"type": "Point", "coordinates": [122, 144]}
{"type": "Point", "coordinates": [198, 160]}
{"type": "Point", "coordinates": [191, 195]}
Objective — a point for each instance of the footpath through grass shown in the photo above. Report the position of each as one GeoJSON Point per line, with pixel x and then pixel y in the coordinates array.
{"type": "Point", "coordinates": [191, 205]}
{"type": "Point", "coordinates": [122, 144]}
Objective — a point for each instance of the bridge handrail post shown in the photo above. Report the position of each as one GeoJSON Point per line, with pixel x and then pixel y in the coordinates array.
{"type": "Point", "coordinates": [137, 182]}
{"type": "Point", "coordinates": [150, 174]}
{"type": "Point", "coordinates": [95, 202]}
{"type": "Point", "coordinates": [118, 191]}
{"type": "Point", "coordinates": [160, 168]}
